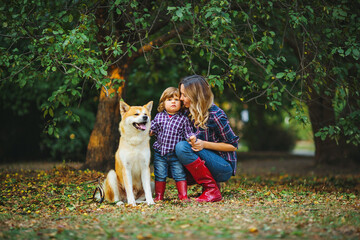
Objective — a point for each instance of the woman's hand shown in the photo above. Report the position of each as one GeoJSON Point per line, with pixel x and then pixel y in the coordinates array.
{"type": "Point", "coordinates": [196, 144]}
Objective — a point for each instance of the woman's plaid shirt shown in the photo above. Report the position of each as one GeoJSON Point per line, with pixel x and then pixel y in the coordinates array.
{"type": "Point", "coordinates": [170, 130]}
{"type": "Point", "coordinates": [219, 130]}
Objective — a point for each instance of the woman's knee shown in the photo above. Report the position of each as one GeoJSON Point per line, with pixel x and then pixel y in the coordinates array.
{"type": "Point", "coordinates": [223, 177]}
{"type": "Point", "coordinates": [223, 173]}
{"type": "Point", "coordinates": [184, 153]}
{"type": "Point", "coordinates": [181, 147]}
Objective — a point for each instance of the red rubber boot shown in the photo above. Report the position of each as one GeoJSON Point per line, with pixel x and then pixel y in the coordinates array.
{"type": "Point", "coordinates": [202, 175]}
{"type": "Point", "coordinates": [182, 190]}
{"type": "Point", "coordinates": [159, 190]}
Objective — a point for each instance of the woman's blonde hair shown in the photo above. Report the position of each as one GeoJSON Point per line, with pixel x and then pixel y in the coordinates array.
{"type": "Point", "coordinates": [201, 98]}
{"type": "Point", "coordinates": [168, 93]}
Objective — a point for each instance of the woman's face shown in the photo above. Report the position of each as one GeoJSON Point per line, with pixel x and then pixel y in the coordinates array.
{"type": "Point", "coordinates": [183, 97]}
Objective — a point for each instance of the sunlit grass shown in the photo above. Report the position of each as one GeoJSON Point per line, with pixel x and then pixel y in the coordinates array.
{"type": "Point", "coordinates": [305, 146]}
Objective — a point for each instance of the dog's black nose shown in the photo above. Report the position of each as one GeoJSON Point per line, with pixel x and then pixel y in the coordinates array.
{"type": "Point", "coordinates": [145, 118]}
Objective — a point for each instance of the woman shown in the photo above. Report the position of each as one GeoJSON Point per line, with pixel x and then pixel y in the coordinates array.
{"type": "Point", "coordinates": [212, 157]}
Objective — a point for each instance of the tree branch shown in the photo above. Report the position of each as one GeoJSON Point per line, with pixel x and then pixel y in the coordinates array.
{"type": "Point", "coordinates": [160, 40]}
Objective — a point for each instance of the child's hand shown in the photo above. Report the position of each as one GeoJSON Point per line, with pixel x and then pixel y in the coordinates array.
{"type": "Point", "coordinates": [192, 140]}
{"type": "Point", "coordinates": [197, 144]}
{"type": "Point", "coordinates": [151, 133]}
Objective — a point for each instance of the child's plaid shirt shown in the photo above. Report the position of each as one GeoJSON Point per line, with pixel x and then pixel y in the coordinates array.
{"type": "Point", "coordinates": [170, 130]}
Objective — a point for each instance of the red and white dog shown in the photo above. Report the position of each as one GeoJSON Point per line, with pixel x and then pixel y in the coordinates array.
{"type": "Point", "coordinates": [131, 179]}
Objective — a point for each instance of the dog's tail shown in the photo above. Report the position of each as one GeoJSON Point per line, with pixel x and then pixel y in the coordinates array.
{"type": "Point", "coordinates": [99, 193]}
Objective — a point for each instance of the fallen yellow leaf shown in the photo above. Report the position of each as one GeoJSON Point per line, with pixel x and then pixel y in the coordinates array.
{"type": "Point", "coordinates": [185, 226]}
{"type": "Point", "coordinates": [253, 230]}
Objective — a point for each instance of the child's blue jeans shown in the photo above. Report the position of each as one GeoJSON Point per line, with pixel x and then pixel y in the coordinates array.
{"type": "Point", "coordinates": [220, 169]}
{"type": "Point", "coordinates": [168, 163]}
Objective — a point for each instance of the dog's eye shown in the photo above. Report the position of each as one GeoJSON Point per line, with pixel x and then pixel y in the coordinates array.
{"type": "Point", "coordinates": [136, 114]}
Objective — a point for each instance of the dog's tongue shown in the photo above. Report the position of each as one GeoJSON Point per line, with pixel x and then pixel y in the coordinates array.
{"type": "Point", "coordinates": [142, 126]}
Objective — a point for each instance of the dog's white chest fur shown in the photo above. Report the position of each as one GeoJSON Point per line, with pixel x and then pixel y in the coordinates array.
{"type": "Point", "coordinates": [134, 153]}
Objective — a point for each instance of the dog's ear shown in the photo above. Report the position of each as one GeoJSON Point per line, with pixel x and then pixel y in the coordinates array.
{"type": "Point", "coordinates": [149, 106]}
{"type": "Point", "coordinates": [124, 107]}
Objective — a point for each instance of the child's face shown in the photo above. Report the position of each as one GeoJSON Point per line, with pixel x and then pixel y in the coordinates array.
{"type": "Point", "coordinates": [172, 104]}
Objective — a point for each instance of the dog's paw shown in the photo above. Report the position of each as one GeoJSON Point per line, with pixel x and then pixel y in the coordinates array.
{"type": "Point", "coordinates": [132, 203]}
{"type": "Point", "coordinates": [150, 202]}
{"type": "Point", "coordinates": [119, 203]}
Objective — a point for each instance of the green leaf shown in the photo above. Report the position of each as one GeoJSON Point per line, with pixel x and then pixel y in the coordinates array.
{"type": "Point", "coordinates": [103, 72]}
{"type": "Point", "coordinates": [208, 14]}
{"type": "Point", "coordinates": [280, 75]}
{"type": "Point", "coordinates": [51, 112]}
{"type": "Point", "coordinates": [348, 51]}
{"type": "Point", "coordinates": [179, 13]}
{"type": "Point", "coordinates": [45, 112]}
{"type": "Point", "coordinates": [201, 52]}
{"type": "Point", "coordinates": [51, 130]}
{"type": "Point", "coordinates": [356, 53]}
{"type": "Point", "coordinates": [22, 82]}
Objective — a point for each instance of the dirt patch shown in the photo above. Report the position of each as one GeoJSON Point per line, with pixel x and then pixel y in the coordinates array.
{"type": "Point", "coordinates": [283, 163]}
{"type": "Point", "coordinates": [36, 165]}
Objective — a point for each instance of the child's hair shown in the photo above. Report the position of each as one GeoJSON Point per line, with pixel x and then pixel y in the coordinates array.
{"type": "Point", "coordinates": [201, 97]}
{"type": "Point", "coordinates": [168, 93]}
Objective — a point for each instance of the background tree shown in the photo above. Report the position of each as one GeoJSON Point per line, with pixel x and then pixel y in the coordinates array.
{"type": "Point", "coordinates": [273, 53]}
{"type": "Point", "coordinates": [134, 28]}
{"type": "Point", "coordinates": [278, 50]}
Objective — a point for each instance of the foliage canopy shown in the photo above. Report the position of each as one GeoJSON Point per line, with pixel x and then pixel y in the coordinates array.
{"type": "Point", "coordinates": [272, 52]}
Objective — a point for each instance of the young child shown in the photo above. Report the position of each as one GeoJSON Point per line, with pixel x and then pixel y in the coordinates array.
{"type": "Point", "coordinates": [170, 126]}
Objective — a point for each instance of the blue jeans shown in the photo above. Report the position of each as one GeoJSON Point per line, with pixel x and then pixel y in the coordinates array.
{"type": "Point", "coordinates": [168, 163]}
{"type": "Point", "coordinates": [219, 168]}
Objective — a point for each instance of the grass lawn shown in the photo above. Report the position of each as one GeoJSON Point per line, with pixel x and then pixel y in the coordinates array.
{"type": "Point", "coordinates": [54, 204]}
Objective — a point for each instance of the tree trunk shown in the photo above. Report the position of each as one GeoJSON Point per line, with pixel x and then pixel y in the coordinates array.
{"type": "Point", "coordinates": [321, 113]}
{"type": "Point", "coordinates": [351, 151]}
{"type": "Point", "coordinates": [104, 138]}
{"type": "Point", "coordinates": [328, 151]}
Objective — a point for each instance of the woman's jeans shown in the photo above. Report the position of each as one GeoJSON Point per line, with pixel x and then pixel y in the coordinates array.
{"type": "Point", "coordinates": [220, 169]}
{"type": "Point", "coordinates": [168, 165]}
